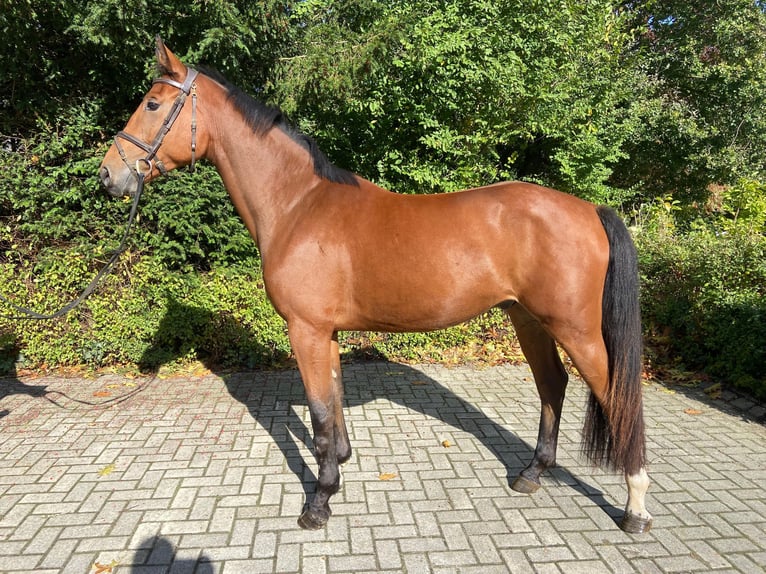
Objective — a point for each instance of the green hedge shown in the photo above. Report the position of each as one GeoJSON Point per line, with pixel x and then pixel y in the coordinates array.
{"type": "Point", "coordinates": [147, 316]}
{"type": "Point", "coordinates": [704, 298]}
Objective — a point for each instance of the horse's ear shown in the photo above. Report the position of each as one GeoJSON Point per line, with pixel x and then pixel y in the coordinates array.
{"type": "Point", "coordinates": [167, 62]}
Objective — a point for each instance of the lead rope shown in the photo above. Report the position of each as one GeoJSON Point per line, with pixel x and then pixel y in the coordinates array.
{"type": "Point", "coordinates": [31, 314]}
{"type": "Point", "coordinates": [193, 125]}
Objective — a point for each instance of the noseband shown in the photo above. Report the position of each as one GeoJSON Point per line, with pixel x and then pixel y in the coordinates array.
{"type": "Point", "coordinates": [144, 166]}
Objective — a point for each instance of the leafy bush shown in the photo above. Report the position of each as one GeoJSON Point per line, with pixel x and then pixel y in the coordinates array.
{"type": "Point", "coordinates": [744, 206]}
{"type": "Point", "coordinates": [50, 197]}
{"type": "Point", "coordinates": [704, 294]}
{"type": "Point", "coordinates": [428, 96]}
{"type": "Point", "coordinates": [144, 315]}
{"type": "Point", "coordinates": [188, 222]}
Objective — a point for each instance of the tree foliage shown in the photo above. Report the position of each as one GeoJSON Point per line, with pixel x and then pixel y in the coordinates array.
{"type": "Point", "coordinates": [57, 53]}
{"type": "Point", "coordinates": [614, 102]}
{"type": "Point", "coordinates": [434, 96]}
{"type": "Point", "coordinates": [705, 92]}
{"type": "Point", "coordinates": [649, 105]}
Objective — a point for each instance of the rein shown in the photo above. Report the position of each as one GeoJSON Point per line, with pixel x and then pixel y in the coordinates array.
{"type": "Point", "coordinates": [148, 162]}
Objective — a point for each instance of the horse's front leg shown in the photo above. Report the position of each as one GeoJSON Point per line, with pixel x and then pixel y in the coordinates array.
{"type": "Point", "coordinates": [312, 349]}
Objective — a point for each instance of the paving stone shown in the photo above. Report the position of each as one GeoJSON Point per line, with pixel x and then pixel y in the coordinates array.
{"type": "Point", "coordinates": [210, 474]}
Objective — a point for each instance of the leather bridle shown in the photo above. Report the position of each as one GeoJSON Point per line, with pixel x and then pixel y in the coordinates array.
{"type": "Point", "coordinates": [148, 162]}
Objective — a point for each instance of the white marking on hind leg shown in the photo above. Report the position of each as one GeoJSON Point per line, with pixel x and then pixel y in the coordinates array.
{"type": "Point", "coordinates": [636, 519]}
{"type": "Point", "coordinates": [638, 484]}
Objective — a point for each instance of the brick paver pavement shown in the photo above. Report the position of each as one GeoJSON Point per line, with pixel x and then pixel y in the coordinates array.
{"type": "Point", "coordinates": [208, 474]}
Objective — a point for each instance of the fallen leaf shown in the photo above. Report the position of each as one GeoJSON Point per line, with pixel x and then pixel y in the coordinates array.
{"type": "Point", "coordinates": [419, 382]}
{"type": "Point", "coordinates": [107, 470]}
{"type": "Point", "coordinates": [693, 411]}
{"type": "Point", "coordinates": [105, 568]}
{"type": "Point", "coordinates": [102, 394]}
{"type": "Point", "coordinates": [446, 444]}
{"type": "Point", "coordinates": [387, 475]}
{"type": "Point", "coordinates": [113, 386]}
{"type": "Point", "coordinates": [129, 385]}
{"type": "Point", "coordinates": [668, 391]}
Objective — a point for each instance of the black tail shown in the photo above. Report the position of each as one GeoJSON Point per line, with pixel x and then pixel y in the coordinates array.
{"type": "Point", "coordinates": [614, 432]}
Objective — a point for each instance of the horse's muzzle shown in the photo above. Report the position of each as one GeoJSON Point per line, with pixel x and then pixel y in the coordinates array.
{"type": "Point", "coordinates": [118, 184]}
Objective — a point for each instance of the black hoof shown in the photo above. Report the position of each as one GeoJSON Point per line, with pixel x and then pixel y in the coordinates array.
{"type": "Point", "coordinates": [314, 520]}
{"type": "Point", "coordinates": [634, 524]}
{"type": "Point", "coordinates": [524, 485]}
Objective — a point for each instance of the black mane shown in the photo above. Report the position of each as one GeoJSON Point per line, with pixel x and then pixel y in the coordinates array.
{"type": "Point", "coordinates": [261, 118]}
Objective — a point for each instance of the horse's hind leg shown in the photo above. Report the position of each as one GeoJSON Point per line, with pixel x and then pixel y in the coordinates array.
{"type": "Point", "coordinates": [588, 353]}
{"type": "Point", "coordinates": [342, 443]}
{"type": "Point", "coordinates": [551, 380]}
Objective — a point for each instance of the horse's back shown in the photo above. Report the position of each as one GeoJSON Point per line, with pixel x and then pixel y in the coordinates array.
{"type": "Point", "coordinates": [510, 225]}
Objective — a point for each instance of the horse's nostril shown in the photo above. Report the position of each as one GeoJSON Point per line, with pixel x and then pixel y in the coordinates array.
{"type": "Point", "coordinates": [104, 175]}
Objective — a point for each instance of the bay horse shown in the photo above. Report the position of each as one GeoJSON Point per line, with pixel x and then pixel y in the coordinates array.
{"type": "Point", "coordinates": [340, 253]}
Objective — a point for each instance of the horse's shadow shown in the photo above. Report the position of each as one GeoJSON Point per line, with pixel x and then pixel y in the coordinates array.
{"type": "Point", "coordinates": [158, 554]}
{"type": "Point", "coordinates": [9, 383]}
{"type": "Point", "coordinates": [277, 400]}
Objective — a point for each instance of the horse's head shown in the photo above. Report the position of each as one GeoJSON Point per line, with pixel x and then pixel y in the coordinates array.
{"type": "Point", "coordinates": [148, 147]}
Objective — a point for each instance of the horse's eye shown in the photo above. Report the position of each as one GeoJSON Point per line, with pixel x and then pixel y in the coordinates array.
{"type": "Point", "coordinates": [152, 105]}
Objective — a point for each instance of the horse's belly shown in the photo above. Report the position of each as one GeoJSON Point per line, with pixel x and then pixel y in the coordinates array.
{"type": "Point", "coordinates": [424, 302]}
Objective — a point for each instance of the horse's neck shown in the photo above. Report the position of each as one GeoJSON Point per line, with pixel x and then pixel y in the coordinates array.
{"type": "Point", "coordinates": [267, 177]}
